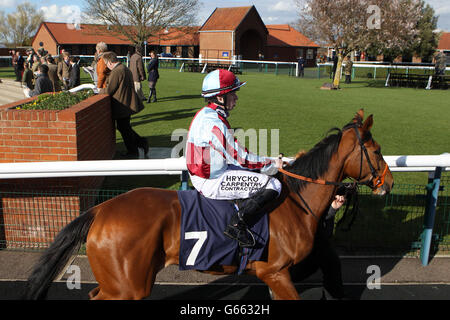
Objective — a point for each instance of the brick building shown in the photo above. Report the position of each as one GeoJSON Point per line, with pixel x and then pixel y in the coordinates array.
{"type": "Point", "coordinates": [228, 32]}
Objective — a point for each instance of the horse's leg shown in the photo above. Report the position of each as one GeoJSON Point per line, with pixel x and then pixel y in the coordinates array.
{"type": "Point", "coordinates": [281, 285]}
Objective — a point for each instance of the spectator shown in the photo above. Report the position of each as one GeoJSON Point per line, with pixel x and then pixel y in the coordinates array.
{"type": "Point", "coordinates": [323, 255]}
{"type": "Point", "coordinates": [138, 71]}
{"type": "Point", "coordinates": [301, 67]}
{"type": "Point", "coordinates": [102, 70]}
{"type": "Point", "coordinates": [74, 75]}
{"type": "Point", "coordinates": [43, 83]}
{"type": "Point", "coordinates": [53, 73]}
{"type": "Point", "coordinates": [18, 66]}
{"type": "Point", "coordinates": [153, 76]}
{"type": "Point", "coordinates": [30, 53]}
{"type": "Point", "coordinates": [124, 103]}
{"type": "Point", "coordinates": [64, 70]}
{"type": "Point", "coordinates": [348, 70]}
{"type": "Point", "coordinates": [35, 67]}
{"type": "Point", "coordinates": [27, 78]}
{"type": "Point", "coordinates": [440, 63]}
{"type": "Point", "coordinates": [14, 61]}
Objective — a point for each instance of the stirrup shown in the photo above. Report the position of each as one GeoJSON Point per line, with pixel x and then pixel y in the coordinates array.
{"type": "Point", "coordinates": [240, 235]}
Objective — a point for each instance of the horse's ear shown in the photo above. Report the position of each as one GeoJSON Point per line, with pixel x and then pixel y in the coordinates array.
{"type": "Point", "coordinates": [359, 116]}
{"type": "Point", "coordinates": [368, 124]}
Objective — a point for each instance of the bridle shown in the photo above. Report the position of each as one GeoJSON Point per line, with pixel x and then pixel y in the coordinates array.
{"type": "Point", "coordinates": [377, 180]}
{"type": "Point", "coordinates": [374, 182]}
{"type": "Point", "coordinates": [352, 187]}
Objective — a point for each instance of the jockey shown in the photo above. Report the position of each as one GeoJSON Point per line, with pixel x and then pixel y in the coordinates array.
{"type": "Point", "coordinates": [219, 167]}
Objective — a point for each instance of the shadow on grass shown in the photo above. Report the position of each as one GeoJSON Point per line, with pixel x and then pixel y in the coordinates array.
{"type": "Point", "coordinates": [164, 116]}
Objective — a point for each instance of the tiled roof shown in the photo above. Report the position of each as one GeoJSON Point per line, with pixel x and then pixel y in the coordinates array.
{"type": "Point", "coordinates": [86, 34]}
{"type": "Point", "coordinates": [444, 41]}
{"type": "Point", "coordinates": [92, 34]}
{"type": "Point", "coordinates": [225, 18]}
{"type": "Point", "coordinates": [283, 35]}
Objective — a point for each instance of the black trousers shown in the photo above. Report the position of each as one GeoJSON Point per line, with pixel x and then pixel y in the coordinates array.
{"type": "Point", "coordinates": [324, 257]}
{"type": "Point", "coordinates": [348, 78]}
{"type": "Point", "coordinates": [130, 138]}
{"type": "Point", "coordinates": [18, 72]}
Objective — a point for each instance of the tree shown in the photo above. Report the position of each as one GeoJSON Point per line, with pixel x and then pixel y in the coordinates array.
{"type": "Point", "coordinates": [19, 27]}
{"type": "Point", "coordinates": [348, 25]}
{"type": "Point", "coordinates": [138, 20]}
{"type": "Point", "coordinates": [427, 40]}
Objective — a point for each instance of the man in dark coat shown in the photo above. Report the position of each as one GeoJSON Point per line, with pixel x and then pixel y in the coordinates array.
{"type": "Point", "coordinates": [301, 67]}
{"type": "Point", "coordinates": [153, 76]}
{"type": "Point", "coordinates": [43, 83]}
{"type": "Point", "coordinates": [138, 71]}
{"type": "Point", "coordinates": [124, 103]}
{"type": "Point", "coordinates": [74, 74]}
{"type": "Point", "coordinates": [18, 66]}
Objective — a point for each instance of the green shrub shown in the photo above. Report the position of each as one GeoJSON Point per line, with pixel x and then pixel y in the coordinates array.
{"type": "Point", "coordinates": [57, 101]}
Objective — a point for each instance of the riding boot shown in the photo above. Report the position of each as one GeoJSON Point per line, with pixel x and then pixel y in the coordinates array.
{"type": "Point", "coordinates": [248, 214]}
{"type": "Point", "coordinates": [154, 95]}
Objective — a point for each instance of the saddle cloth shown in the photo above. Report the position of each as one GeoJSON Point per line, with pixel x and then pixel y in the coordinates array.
{"type": "Point", "coordinates": [202, 242]}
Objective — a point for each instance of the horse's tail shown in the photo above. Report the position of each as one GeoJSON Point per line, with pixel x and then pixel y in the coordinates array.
{"type": "Point", "coordinates": [67, 242]}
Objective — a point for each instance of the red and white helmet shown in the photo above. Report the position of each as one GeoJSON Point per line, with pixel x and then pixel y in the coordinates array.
{"type": "Point", "coordinates": [220, 82]}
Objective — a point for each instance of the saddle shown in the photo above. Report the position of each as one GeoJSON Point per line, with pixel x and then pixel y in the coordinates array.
{"type": "Point", "coordinates": [202, 242]}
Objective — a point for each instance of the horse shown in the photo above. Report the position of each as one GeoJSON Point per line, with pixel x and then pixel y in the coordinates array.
{"type": "Point", "coordinates": [133, 236]}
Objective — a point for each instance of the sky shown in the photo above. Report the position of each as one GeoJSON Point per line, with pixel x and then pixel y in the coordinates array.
{"type": "Point", "coordinates": [271, 11]}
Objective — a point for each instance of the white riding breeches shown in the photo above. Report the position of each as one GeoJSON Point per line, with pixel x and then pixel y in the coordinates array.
{"type": "Point", "coordinates": [235, 184]}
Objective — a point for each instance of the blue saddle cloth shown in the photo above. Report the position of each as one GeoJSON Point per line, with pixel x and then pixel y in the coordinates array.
{"type": "Point", "coordinates": [202, 242]}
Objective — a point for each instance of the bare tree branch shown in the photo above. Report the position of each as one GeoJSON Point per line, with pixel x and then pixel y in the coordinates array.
{"type": "Point", "coordinates": [138, 20]}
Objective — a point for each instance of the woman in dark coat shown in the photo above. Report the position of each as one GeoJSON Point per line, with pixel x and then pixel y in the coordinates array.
{"type": "Point", "coordinates": [153, 76]}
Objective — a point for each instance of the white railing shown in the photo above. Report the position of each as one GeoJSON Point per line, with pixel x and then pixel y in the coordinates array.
{"type": "Point", "coordinates": [174, 166]}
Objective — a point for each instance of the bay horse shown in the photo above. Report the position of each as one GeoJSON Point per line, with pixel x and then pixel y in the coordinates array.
{"type": "Point", "coordinates": [131, 237]}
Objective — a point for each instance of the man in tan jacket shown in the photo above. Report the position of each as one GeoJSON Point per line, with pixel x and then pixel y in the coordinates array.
{"type": "Point", "coordinates": [53, 73]}
{"type": "Point", "coordinates": [124, 103]}
{"type": "Point", "coordinates": [64, 70]}
{"type": "Point", "coordinates": [138, 71]}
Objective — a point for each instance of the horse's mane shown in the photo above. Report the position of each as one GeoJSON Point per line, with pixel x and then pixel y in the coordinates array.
{"type": "Point", "coordinates": [314, 163]}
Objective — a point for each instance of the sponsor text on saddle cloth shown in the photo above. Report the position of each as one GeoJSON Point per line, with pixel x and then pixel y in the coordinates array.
{"type": "Point", "coordinates": [202, 242]}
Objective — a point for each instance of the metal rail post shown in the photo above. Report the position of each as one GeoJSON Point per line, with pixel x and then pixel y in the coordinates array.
{"type": "Point", "coordinates": [430, 213]}
{"type": "Point", "coordinates": [184, 180]}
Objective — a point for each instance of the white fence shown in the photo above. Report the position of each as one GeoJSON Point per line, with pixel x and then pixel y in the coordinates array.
{"type": "Point", "coordinates": [375, 66]}
{"type": "Point", "coordinates": [175, 166]}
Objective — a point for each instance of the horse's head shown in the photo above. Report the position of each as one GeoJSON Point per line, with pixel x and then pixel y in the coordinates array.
{"type": "Point", "coordinates": [365, 162]}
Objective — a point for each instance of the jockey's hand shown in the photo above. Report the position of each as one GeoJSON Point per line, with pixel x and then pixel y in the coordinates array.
{"type": "Point", "coordinates": [338, 202]}
{"type": "Point", "coordinates": [279, 161]}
